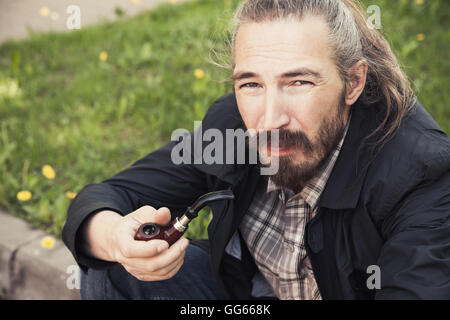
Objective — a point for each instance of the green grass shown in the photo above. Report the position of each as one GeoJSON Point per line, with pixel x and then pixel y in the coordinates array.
{"type": "Point", "coordinates": [60, 105]}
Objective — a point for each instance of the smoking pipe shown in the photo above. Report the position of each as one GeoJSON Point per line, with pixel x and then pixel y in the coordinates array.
{"type": "Point", "coordinates": [172, 232]}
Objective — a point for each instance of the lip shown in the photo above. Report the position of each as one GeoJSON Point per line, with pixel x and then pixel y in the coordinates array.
{"type": "Point", "coordinates": [279, 152]}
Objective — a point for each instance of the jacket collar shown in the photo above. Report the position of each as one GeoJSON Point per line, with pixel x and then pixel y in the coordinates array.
{"type": "Point", "coordinates": [345, 182]}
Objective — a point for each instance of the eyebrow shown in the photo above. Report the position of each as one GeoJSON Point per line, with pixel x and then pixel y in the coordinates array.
{"type": "Point", "coordinates": [290, 74]}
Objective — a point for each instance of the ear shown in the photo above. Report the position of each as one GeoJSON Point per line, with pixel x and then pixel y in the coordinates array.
{"type": "Point", "coordinates": [358, 75]}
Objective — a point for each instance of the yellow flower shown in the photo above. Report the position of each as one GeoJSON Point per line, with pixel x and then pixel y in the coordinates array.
{"type": "Point", "coordinates": [103, 56]}
{"type": "Point", "coordinates": [199, 73]}
{"type": "Point", "coordinates": [44, 11]}
{"type": "Point", "coordinates": [48, 172]}
{"type": "Point", "coordinates": [48, 242]}
{"type": "Point", "coordinates": [9, 88]}
{"type": "Point", "coordinates": [419, 2]}
{"type": "Point", "coordinates": [24, 195]}
{"type": "Point", "coordinates": [71, 195]}
{"type": "Point", "coordinates": [420, 37]}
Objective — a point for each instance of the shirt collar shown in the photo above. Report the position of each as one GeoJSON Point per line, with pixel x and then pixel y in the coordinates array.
{"type": "Point", "coordinates": [313, 189]}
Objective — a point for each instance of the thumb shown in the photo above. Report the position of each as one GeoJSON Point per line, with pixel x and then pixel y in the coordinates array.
{"type": "Point", "coordinates": [147, 214]}
{"type": "Point", "coordinates": [162, 216]}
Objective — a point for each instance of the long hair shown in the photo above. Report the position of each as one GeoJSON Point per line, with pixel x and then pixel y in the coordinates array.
{"type": "Point", "coordinates": [352, 40]}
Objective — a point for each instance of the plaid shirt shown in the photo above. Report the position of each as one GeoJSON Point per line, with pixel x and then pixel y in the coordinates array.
{"type": "Point", "coordinates": [274, 228]}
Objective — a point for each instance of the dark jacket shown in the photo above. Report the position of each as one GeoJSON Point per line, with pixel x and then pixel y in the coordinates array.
{"type": "Point", "coordinates": [388, 208]}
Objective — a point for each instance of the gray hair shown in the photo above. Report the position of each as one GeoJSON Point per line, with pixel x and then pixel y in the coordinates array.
{"type": "Point", "coordinates": [352, 40]}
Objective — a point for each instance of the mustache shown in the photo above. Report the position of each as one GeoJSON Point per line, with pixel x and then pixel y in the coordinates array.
{"type": "Point", "coordinates": [287, 139]}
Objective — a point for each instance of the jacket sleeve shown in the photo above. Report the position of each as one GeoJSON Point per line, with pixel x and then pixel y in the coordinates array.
{"type": "Point", "coordinates": [154, 180]}
{"type": "Point", "coordinates": [415, 259]}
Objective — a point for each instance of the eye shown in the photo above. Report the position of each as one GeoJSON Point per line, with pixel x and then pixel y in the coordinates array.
{"type": "Point", "coordinates": [302, 83]}
{"type": "Point", "coordinates": [249, 85]}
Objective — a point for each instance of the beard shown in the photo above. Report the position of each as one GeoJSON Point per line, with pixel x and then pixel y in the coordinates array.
{"type": "Point", "coordinates": [294, 173]}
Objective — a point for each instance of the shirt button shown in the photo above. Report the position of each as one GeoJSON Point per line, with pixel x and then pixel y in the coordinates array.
{"type": "Point", "coordinates": [289, 246]}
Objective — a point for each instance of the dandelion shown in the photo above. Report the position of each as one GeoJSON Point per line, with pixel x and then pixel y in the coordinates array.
{"type": "Point", "coordinates": [24, 195]}
{"type": "Point", "coordinates": [9, 88]}
{"type": "Point", "coordinates": [48, 242]}
{"type": "Point", "coordinates": [199, 73]}
{"type": "Point", "coordinates": [48, 172]}
{"type": "Point", "coordinates": [44, 11]}
{"type": "Point", "coordinates": [103, 56]}
{"type": "Point", "coordinates": [420, 37]}
{"type": "Point", "coordinates": [71, 195]}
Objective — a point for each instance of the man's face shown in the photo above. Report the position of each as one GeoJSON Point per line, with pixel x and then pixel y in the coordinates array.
{"type": "Point", "coordinates": [285, 79]}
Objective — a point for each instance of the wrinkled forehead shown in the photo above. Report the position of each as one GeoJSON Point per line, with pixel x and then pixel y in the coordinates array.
{"type": "Point", "coordinates": [283, 42]}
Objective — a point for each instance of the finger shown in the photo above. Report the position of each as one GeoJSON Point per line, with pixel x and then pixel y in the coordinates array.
{"type": "Point", "coordinates": [163, 272]}
{"type": "Point", "coordinates": [147, 214]}
{"type": "Point", "coordinates": [152, 277]}
{"type": "Point", "coordinates": [171, 270]}
{"type": "Point", "coordinates": [175, 250]}
{"type": "Point", "coordinates": [170, 267]}
{"type": "Point", "coordinates": [176, 269]}
{"type": "Point", "coordinates": [166, 258]}
{"type": "Point", "coordinates": [168, 273]}
{"type": "Point", "coordinates": [163, 216]}
{"type": "Point", "coordinates": [132, 249]}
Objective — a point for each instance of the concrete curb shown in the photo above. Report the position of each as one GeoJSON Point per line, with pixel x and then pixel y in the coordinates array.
{"type": "Point", "coordinates": [29, 271]}
{"type": "Point", "coordinates": [18, 17]}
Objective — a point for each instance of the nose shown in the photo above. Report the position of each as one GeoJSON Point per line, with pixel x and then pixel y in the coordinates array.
{"type": "Point", "coordinates": [275, 115]}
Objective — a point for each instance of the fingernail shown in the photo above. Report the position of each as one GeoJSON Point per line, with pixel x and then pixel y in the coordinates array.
{"type": "Point", "coordinates": [163, 209]}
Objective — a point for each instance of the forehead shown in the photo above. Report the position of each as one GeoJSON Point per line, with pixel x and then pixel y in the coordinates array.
{"type": "Point", "coordinates": [282, 43]}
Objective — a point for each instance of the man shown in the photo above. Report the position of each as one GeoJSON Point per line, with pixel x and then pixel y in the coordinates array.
{"type": "Point", "coordinates": [360, 205]}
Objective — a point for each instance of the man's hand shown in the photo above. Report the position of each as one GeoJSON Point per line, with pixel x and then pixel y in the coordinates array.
{"type": "Point", "coordinates": [111, 237]}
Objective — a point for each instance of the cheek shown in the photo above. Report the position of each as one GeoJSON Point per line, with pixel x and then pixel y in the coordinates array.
{"type": "Point", "coordinates": [311, 109]}
{"type": "Point", "coordinates": [304, 111]}
{"type": "Point", "coordinates": [250, 110]}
